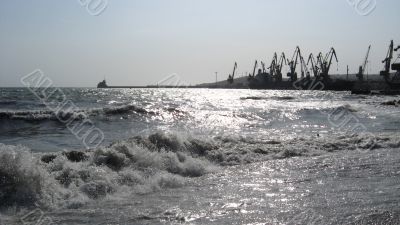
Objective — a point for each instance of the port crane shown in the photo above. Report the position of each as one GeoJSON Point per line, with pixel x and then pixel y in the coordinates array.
{"type": "Point", "coordinates": [320, 58]}
{"type": "Point", "coordinates": [320, 62]}
{"type": "Point", "coordinates": [327, 62]}
{"type": "Point", "coordinates": [278, 72]}
{"type": "Point", "coordinates": [362, 68]}
{"type": "Point", "coordinates": [254, 70]}
{"type": "Point", "coordinates": [314, 66]}
{"type": "Point", "coordinates": [272, 67]}
{"type": "Point", "coordinates": [303, 83]}
{"type": "Point", "coordinates": [304, 69]}
{"type": "Point", "coordinates": [387, 61]}
{"type": "Point", "coordinates": [231, 77]}
{"type": "Point", "coordinates": [396, 66]}
{"type": "Point", "coordinates": [293, 64]}
{"type": "Point", "coordinates": [263, 67]}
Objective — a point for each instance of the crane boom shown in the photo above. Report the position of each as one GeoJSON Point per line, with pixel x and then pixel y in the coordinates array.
{"type": "Point", "coordinates": [320, 61]}
{"type": "Point", "coordinates": [388, 60]}
{"type": "Point", "coordinates": [282, 60]}
{"type": "Point", "coordinates": [326, 62]}
{"type": "Point", "coordinates": [234, 70]}
{"type": "Point", "coordinates": [293, 64]}
{"type": "Point", "coordinates": [255, 67]}
{"type": "Point", "coordinates": [277, 72]}
{"type": "Point", "coordinates": [297, 53]}
{"type": "Point", "coordinates": [231, 77]}
{"type": "Point", "coordinates": [362, 68]}
{"type": "Point", "coordinates": [263, 66]}
{"type": "Point", "coordinates": [304, 69]}
{"type": "Point", "coordinates": [396, 66]}
{"type": "Point", "coordinates": [332, 53]}
{"type": "Point", "coordinates": [272, 67]}
{"type": "Point", "coordinates": [311, 59]}
{"type": "Point", "coordinates": [314, 66]}
{"type": "Point", "coordinates": [366, 59]}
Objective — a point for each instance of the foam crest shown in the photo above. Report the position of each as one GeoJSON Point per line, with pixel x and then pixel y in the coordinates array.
{"type": "Point", "coordinates": [80, 114]}
{"type": "Point", "coordinates": [70, 179]}
{"type": "Point", "coordinates": [147, 164]}
{"type": "Point", "coordinates": [23, 181]}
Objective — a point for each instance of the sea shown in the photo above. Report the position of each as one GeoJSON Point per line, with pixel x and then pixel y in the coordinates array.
{"type": "Point", "coordinates": [198, 156]}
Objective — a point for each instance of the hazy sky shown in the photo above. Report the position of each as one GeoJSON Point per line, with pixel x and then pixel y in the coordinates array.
{"type": "Point", "coordinates": [141, 42]}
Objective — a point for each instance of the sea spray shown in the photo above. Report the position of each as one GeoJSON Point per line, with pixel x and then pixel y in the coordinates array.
{"type": "Point", "coordinates": [23, 182]}
{"type": "Point", "coordinates": [141, 165]}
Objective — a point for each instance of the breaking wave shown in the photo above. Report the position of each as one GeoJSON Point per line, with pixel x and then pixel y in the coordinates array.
{"type": "Point", "coordinates": [391, 103]}
{"type": "Point", "coordinates": [146, 164]}
{"type": "Point", "coordinates": [69, 179]}
{"type": "Point", "coordinates": [43, 115]}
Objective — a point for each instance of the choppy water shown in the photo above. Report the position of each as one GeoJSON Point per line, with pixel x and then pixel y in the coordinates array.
{"type": "Point", "coordinates": [199, 156]}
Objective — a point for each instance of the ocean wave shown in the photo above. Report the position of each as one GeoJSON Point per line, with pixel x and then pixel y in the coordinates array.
{"type": "Point", "coordinates": [41, 115]}
{"type": "Point", "coordinates": [278, 98]}
{"type": "Point", "coordinates": [81, 114]}
{"type": "Point", "coordinates": [70, 179]}
{"type": "Point", "coordinates": [148, 164]}
{"type": "Point", "coordinates": [123, 110]}
{"type": "Point", "coordinates": [253, 98]}
{"type": "Point", "coordinates": [8, 102]}
{"type": "Point", "coordinates": [391, 103]}
{"type": "Point", "coordinates": [23, 182]}
{"type": "Point", "coordinates": [331, 110]}
{"type": "Point", "coordinates": [385, 217]}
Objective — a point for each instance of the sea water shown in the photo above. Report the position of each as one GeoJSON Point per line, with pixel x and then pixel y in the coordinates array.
{"type": "Point", "coordinates": [199, 156]}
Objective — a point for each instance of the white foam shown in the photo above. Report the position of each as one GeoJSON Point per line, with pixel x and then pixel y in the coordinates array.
{"type": "Point", "coordinates": [23, 180]}
{"type": "Point", "coordinates": [147, 164]}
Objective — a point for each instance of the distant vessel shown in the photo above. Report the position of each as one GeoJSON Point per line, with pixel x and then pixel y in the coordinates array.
{"type": "Point", "coordinates": [102, 84]}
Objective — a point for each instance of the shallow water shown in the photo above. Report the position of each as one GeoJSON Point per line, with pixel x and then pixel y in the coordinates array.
{"type": "Point", "coordinates": [201, 157]}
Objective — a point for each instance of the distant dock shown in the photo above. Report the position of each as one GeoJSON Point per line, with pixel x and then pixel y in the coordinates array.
{"type": "Point", "coordinates": [148, 86]}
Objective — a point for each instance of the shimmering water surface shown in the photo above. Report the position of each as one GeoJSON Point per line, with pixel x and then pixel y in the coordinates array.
{"type": "Point", "coordinates": [201, 156]}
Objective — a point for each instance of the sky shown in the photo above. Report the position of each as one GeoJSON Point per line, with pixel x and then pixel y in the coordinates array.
{"type": "Point", "coordinates": [142, 42]}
